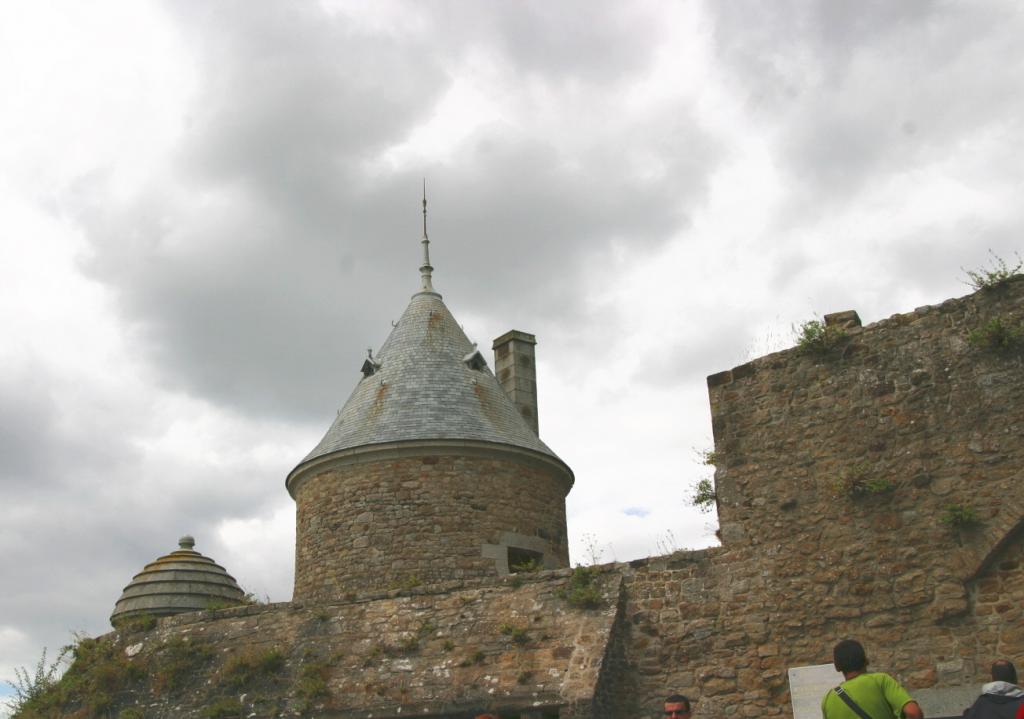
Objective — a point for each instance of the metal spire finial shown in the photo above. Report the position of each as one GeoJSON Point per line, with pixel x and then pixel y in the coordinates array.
{"type": "Point", "coordinates": [425, 269]}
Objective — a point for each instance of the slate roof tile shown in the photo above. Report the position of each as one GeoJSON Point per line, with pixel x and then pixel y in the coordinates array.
{"type": "Point", "coordinates": [424, 390]}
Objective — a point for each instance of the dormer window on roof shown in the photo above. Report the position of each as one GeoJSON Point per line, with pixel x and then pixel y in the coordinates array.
{"type": "Point", "coordinates": [370, 365]}
{"type": "Point", "coordinates": [475, 360]}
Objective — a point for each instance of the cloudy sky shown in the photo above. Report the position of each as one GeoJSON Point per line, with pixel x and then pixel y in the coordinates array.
{"type": "Point", "coordinates": [209, 210]}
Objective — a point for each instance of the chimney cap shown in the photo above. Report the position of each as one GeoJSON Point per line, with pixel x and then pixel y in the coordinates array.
{"type": "Point", "coordinates": [514, 335]}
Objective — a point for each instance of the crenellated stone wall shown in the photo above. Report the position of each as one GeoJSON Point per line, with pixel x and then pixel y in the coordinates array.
{"type": "Point", "coordinates": [837, 473]}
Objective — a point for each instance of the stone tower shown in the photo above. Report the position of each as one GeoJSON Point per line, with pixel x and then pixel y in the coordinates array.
{"type": "Point", "coordinates": [429, 472]}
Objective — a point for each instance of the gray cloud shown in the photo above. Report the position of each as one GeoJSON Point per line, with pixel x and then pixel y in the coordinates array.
{"type": "Point", "coordinates": [259, 267]}
{"type": "Point", "coordinates": [599, 43]}
{"type": "Point", "coordinates": [863, 91]}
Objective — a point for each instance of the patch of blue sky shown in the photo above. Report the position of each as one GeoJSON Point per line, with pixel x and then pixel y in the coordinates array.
{"type": "Point", "coordinates": [636, 511]}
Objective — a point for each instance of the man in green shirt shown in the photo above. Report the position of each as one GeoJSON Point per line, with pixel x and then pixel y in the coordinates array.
{"type": "Point", "coordinates": [878, 695]}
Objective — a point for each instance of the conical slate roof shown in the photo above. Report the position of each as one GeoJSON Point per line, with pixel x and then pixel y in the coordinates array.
{"type": "Point", "coordinates": [182, 581]}
{"type": "Point", "coordinates": [423, 385]}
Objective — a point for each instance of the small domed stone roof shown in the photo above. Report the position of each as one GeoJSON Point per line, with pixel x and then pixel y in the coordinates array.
{"type": "Point", "coordinates": [182, 581]}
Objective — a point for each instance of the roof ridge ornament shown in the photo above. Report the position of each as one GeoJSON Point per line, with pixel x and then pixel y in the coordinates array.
{"type": "Point", "coordinates": [425, 269]}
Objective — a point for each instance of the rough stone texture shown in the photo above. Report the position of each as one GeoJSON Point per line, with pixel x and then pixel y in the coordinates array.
{"type": "Point", "coordinates": [510, 646]}
{"type": "Point", "coordinates": [515, 366]}
{"type": "Point", "coordinates": [907, 400]}
{"type": "Point", "coordinates": [385, 524]}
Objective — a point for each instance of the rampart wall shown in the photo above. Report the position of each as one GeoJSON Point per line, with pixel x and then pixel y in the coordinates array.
{"type": "Point", "coordinates": [835, 473]}
{"type": "Point", "coordinates": [513, 645]}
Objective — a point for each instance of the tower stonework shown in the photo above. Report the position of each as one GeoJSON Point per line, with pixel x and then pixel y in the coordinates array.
{"type": "Point", "coordinates": [429, 473]}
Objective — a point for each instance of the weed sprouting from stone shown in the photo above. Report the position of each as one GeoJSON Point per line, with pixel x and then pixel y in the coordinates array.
{"type": "Point", "coordinates": [136, 624]}
{"type": "Point", "coordinates": [98, 672]}
{"type": "Point", "coordinates": [582, 591]}
{"type": "Point", "coordinates": [242, 669]}
{"type": "Point", "coordinates": [815, 337]}
{"type": "Point", "coordinates": [173, 662]}
{"type": "Point", "coordinates": [312, 684]}
{"type": "Point", "coordinates": [29, 689]}
{"type": "Point", "coordinates": [707, 456]}
{"type": "Point", "coordinates": [857, 482]}
{"type": "Point", "coordinates": [987, 278]}
{"type": "Point", "coordinates": [476, 657]}
{"type": "Point", "coordinates": [704, 497]}
{"type": "Point", "coordinates": [223, 708]}
{"type": "Point", "coordinates": [960, 516]}
{"type": "Point", "coordinates": [667, 543]}
{"type": "Point", "coordinates": [410, 582]}
{"type": "Point", "coordinates": [516, 633]}
{"type": "Point", "coordinates": [593, 551]}
{"type": "Point", "coordinates": [999, 335]}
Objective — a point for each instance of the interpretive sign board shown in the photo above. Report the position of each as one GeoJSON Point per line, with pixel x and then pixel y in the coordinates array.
{"type": "Point", "coordinates": [807, 685]}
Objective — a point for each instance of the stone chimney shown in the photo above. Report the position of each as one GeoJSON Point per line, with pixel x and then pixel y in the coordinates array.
{"type": "Point", "coordinates": [516, 368]}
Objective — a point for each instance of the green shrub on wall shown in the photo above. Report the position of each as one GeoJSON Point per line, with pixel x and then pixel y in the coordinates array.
{"type": "Point", "coordinates": [582, 591]}
{"type": "Point", "coordinates": [994, 276]}
{"type": "Point", "coordinates": [704, 497]}
{"type": "Point", "coordinates": [817, 338]}
{"type": "Point", "coordinates": [999, 334]}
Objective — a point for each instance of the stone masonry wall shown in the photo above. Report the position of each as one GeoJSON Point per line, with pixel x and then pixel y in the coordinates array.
{"type": "Point", "coordinates": [907, 400]}
{"type": "Point", "coordinates": [724, 626]}
{"type": "Point", "coordinates": [402, 522]}
{"type": "Point", "coordinates": [513, 646]}
{"type": "Point", "coordinates": [908, 407]}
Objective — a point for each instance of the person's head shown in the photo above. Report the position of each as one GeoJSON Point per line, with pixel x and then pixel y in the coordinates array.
{"type": "Point", "coordinates": [848, 656]}
{"type": "Point", "coordinates": [1004, 671]}
{"type": "Point", "coordinates": [485, 716]}
{"type": "Point", "coordinates": [677, 706]}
